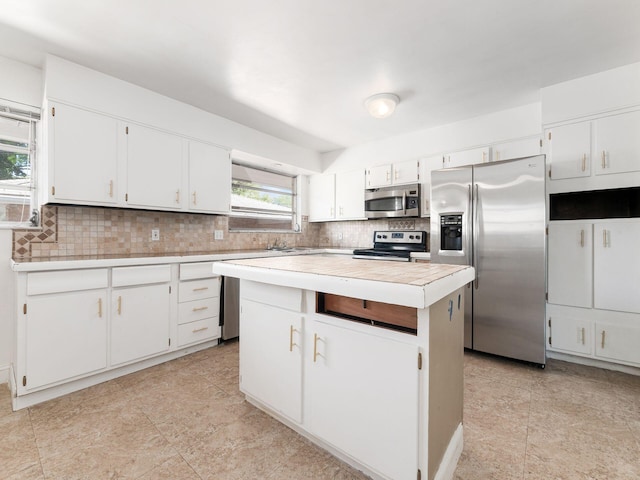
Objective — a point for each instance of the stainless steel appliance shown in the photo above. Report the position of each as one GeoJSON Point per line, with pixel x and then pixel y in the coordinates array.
{"type": "Point", "coordinates": [400, 201]}
{"type": "Point", "coordinates": [492, 216]}
{"type": "Point", "coordinates": [394, 245]}
{"type": "Point", "coordinates": [230, 308]}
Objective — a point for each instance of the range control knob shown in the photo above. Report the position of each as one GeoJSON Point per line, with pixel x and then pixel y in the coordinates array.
{"type": "Point", "coordinates": [411, 237]}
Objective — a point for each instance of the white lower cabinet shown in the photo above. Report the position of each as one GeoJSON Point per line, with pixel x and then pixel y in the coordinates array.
{"type": "Point", "coordinates": [351, 382]}
{"type": "Point", "coordinates": [198, 305]}
{"type": "Point", "coordinates": [618, 342]}
{"type": "Point", "coordinates": [139, 322]}
{"type": "Point", "coordinates": [65, 336]}
{"type": "Point", "coordinates": [271, 357]}
{"type": "Point", "coordinates": [570, 334]}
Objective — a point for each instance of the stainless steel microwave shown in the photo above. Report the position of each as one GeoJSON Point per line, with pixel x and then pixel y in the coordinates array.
{"type": "Point", "coordinates": [400, 201]}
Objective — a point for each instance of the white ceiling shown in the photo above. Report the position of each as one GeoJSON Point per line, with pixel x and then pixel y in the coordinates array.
{"type": "Point", "coordinates": [301, 69]}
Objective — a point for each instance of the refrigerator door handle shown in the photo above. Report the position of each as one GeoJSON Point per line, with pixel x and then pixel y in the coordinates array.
{"type": "Point", "coordinates": [476, 232]}
{"type": "Point", "coordinates": [469, 224]}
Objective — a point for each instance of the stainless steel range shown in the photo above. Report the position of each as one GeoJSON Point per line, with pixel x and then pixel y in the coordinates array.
{"type": "Point", "coordinates": [394, 245]}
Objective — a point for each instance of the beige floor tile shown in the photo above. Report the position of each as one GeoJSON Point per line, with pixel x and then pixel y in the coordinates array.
{"type": "Point", "coordinates": [502, 370]}
{"type": "Point", "coordinates": [19, 457]}
{"type": "Point", "coordinates": [176, 468]}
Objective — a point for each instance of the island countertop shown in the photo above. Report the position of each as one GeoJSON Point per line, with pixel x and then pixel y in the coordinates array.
{"type": "Point", "coordinates": [402, 283]}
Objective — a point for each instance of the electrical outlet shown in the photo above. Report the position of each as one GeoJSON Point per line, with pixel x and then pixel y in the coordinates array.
{"type": "Point", "coordinates": [218, 234]}
{"type": "Point", "coordinates": [155, 234]}
{"type": "Point", "coordinates": [339, 235]}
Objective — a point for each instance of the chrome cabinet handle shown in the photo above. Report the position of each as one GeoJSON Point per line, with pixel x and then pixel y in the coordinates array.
{"type": "Point", "coordinates": [199, 329]}
{"type": "Point", "coordinates": [606, 238]}
{"type": "Point", "coordinates": [111, 188]}
{"type": "Point", "coordinates": [200, 289]}
{"type": "Point", "coordinates": [583, 335]}
{"type": "Point", "coordinates": [100, 307]}
{"type": "Point", "coordinates": [291, 344]}
{"type": "Point", "coordinates": [584, 162]}
{"type": "Point", "coordinates": [195, 198]}
{"type": "Point", "coordinates": [582, 238]}
{"type": "Point", "coordinates": [604, 159]}
{"type": "Point", "coordinates": [199, 309]}
{"type": "Point", "coordinates": [602, 341]}
{"type": "Point", "coordinates": [177, 196]}
{"type": "Point", "coordinates": [119, 305]}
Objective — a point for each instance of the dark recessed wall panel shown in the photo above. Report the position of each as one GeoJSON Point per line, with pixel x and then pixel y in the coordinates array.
{"type": "Point", "coordinates": [596, 204]}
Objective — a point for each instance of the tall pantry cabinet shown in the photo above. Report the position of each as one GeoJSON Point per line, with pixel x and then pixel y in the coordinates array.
{"type": "Point", "coordinates": [593, 270]}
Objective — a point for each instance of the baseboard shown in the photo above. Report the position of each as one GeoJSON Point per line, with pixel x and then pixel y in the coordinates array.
{"type": "Point", "coordinates": [592, 362]}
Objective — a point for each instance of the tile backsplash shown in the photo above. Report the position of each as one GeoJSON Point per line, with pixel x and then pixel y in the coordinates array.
{"type": "Point", "coordinates": [91, 231]}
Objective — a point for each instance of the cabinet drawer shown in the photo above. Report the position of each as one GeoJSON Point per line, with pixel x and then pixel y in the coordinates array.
{"type": "Point", "coordinates": [199, 331]}
{"type": "Point", "coordinates": [197, 289]}
{"type": "Point", "coordinates": [67, 281]}
{"type": "Point", "coordinates": [125, 276]}
{"type": "Point", "coordinates": [190, 271]}
{"type": "Point", "coordinates": [198, 309]}
{"type": "Point", "coordinates": [283, 297]}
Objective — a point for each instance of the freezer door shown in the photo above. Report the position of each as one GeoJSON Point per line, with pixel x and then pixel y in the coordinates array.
{"type": "Point", "coordinates": [451, 196]}
{"type": "Point", "coordinates": [509, 292]}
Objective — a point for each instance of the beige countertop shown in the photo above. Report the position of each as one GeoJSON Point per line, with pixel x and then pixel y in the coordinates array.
{"type": "Point", "coordinates": [402, 283]}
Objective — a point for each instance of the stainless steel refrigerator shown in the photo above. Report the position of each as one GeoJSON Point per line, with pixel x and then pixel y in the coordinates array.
{"type": "Point", "coordinates": [492, 216]}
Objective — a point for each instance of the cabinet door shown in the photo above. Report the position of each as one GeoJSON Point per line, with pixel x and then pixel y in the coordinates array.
{"type": "Point", "coordinates": [139, 322]}
{"type": "Point", "coordinates": [618, 342]}
{"type": "Point", "coordinates": [322, 197]}
{"type": "Point", "coordinates": [271, 357]}
{"type": "Point", "coordinates": [570, 267]}
{"type": "Point", "coordinates": [378, 176]}
{"type": "Point", "coordinates": [355, 377]}
{"type": "Point", "coordinates": [571, 335]}
{"type": "Point", "coordinates": [570, 150]}
{"type": "Point", "coordinates": [427, 165]}
{"type": "Point", "coordinates": [466, 157]}
{"type": "Point", "coordinates": [405, 172]}
{"type": "Point", "coordinates": [83, 149]}
{"type": "Point", "coordinates": [350, 195]}
{"type": "Point", "coordinates": [617, 266]}
{"type": "Point", "coordinates": [209, 178]}
{"type": "Point", "coordinates": [154, 168]}
{"type": "Point", "coordinates": [527, 147]}
{"type": "Point", "coordinates": [66, 336]}
{"type": "Point", "coordinates": [618, 144]}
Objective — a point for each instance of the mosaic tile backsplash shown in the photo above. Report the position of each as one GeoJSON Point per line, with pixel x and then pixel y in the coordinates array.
{"type": "Point", "coordinates": [90, 231]}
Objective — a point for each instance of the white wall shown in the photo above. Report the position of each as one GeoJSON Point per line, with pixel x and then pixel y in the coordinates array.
{"type": "Point", "coordinates": [22, 85]}
{"type": "Point", "coordinates": [75, 84]}
{"type": "Point", "coordinates": [514, 123]}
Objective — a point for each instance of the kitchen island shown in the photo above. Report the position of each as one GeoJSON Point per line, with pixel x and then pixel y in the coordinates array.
{"type": "Point", "coordinates": [363, 357]}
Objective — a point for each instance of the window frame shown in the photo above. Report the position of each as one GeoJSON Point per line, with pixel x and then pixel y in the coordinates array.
{"type": "Point", "coordinates": [295, 202]}
{"type": "Point", "coordinates": [10, 111]}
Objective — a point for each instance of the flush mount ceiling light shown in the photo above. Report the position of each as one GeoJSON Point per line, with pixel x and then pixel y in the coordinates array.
{"type": "Point", "coordinates": [381, 105]}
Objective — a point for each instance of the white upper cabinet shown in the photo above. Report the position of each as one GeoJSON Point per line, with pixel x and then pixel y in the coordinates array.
{"type": "Point", "coordinates": [526, 147]}
{"type": "Point", "coordinates": [466, 157]}
{"type": "Point", "coordinates": [569, 148]}
{"type": "Point", "coordinates": [322, 197]}
{"type": "Point", "coordinates": [617, 144]}
{"type": "Point", "coordinates": [349, 191]}
{"type": "Point", "coordinates": [570, 266]}
{"type": "Point", "coordinates": [400, 173]}
{"type": "Point", "coordinates": [338, 196]}
{"type": "Point", "coordinates": [154, 168]}
{"type": "Point", "coordinates": [209, 178]}
{"type": "Point", "coordinates": [617, 265]}
{"type": "Point", "coordinates": [83, 152]}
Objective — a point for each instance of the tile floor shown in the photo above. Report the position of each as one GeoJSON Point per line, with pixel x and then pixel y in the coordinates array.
{"type": "Point", "coordinates": [185, 419]}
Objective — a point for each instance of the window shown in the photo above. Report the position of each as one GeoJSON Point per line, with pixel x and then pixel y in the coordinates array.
{"type": "Point", "coordinates": [17, 185]}
{"type": "Point", "coordinates": [262, 200]}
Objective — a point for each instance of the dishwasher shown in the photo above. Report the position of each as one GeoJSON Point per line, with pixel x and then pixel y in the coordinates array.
{"type": "Point", "coordinates": [230, 308]}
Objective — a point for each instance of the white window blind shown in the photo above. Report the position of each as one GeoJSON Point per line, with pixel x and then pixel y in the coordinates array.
{"type": "Point", "coordinates": [262, 199]}
{"type": "Point", "coordinates": [17, 179]}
